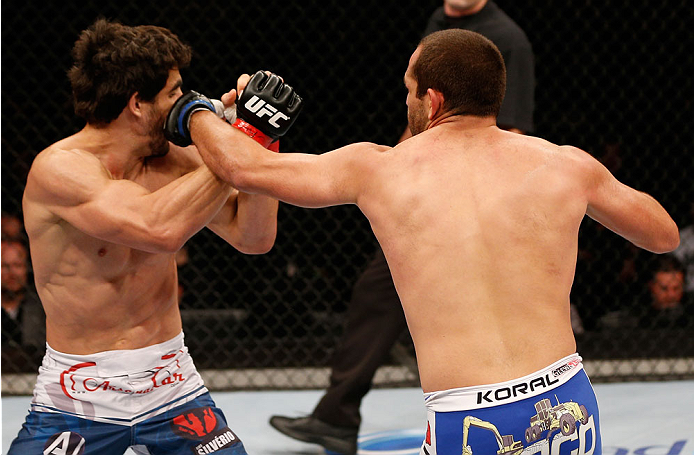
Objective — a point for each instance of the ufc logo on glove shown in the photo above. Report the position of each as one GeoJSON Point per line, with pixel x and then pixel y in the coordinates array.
{"type": "Point", "coordinates": [261, 108]}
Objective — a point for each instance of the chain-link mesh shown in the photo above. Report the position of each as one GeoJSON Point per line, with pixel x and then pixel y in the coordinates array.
{"type": "Point", "coordinates": [613, 78]}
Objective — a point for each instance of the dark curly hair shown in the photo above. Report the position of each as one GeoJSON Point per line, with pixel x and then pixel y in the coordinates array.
{"type": "Point", "coordinates": [113, 61]}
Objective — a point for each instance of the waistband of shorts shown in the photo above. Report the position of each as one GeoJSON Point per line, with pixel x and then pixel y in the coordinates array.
{"type": "Point", "coordinates": [123, 361]}
{"type": "Point", "coordinates": [484, 396]}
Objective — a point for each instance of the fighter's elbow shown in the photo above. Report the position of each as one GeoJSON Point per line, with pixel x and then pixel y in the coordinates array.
{"type": "Point", "coordinates": [667, 241]}
{"type": "Point", "coordinates": [166, 240]}
{"type": "Point", "coordinates": [230, 169]}
{"type": "Point", "coordinates": [240, 178]}
{"type": "Point", "coordinates": [257, 248]}
{"type": "Point", "coordinates": [266, 243]}
{"type": "Point", "coordinates": [672, 240]}
{"type": "Point", "coordinates": [258, 245]}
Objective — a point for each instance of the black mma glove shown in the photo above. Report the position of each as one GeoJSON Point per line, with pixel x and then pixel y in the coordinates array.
{"type": "Point", "coordinates": [267, 108]}
{"type": "Point", "coordinates": [176, 126]}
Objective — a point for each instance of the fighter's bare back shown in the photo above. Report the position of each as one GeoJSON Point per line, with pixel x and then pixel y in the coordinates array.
{"type": "Point", "coordinates": [483, 257]}
{"type": "Point", "coordinates": [480, 230]}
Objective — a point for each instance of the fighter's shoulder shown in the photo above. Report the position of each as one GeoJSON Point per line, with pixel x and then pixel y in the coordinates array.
{"type": "Point", "coordinates": [576, 158]}
{"type": "Point", "coordinates": [577, 164]}
{"type": "Point", "coordinates": [358, 154]}
{"type": "Point", "coordinates": [365, 147]}
{"type": "Point", "coordinates": [59, 157]}
{"type": "Point", "coordinates": [57, 168]}
{"type": "Point", "coordinates": [359, 161]}
{"type": "Point", "coordinates": [558, 157]}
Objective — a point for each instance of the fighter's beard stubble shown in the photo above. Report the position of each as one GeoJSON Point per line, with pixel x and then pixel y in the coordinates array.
{"type": "Point", "coordinates": [158, 144]}
{"type": "Point", "coordinates": [417, 120]}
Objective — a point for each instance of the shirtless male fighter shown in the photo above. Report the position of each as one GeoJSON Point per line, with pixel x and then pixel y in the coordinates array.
{"type": "Point", "coordinates": [492, 331]}
{"type": "Point", "coordinates": [106, 209]}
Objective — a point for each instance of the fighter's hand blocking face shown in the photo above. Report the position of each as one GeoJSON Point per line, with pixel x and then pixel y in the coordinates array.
{"type": "Point", "coordinates": [267, 108]}
{"type": "Point", "coordinates": [176, 127]}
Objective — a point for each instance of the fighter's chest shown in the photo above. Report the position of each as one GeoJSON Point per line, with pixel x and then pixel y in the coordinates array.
{"type": "Point", "coordinates": [89, 256]}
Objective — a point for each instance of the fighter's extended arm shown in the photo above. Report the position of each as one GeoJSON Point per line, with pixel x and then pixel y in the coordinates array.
{"type": "Point", "coordinates": [332, 178]}
{"type": "Point", "coordinates": [75, 186]}
{"type": "Point", "coordinates": [269, 107]}
{"type": "Point", "coordinates": [634, 215]}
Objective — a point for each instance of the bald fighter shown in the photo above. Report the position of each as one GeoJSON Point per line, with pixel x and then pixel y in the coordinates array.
{"type": "Point", "coordinates": [106, 209]}
{"type": "Point", "coordinates": [492, 332]}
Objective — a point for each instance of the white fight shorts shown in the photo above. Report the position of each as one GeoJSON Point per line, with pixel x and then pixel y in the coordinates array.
{"type": "Point", "coordinates": [121, 387]}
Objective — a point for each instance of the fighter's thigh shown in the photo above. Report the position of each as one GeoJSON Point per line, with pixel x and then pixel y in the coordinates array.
{"type": "Point", "coordinates": [195, 427]}
{"type": "Point", "coordinates": [52, 434]}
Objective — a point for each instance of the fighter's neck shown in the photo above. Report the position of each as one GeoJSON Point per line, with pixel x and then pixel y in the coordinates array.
{"type": "Point", "coordinates": [122, 152]}
{"type": "Point", "coordinates": [463, 121]}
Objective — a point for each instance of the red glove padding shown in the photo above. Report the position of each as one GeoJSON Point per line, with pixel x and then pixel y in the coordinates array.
{"type": "Point", "coordinates": [257, 135]}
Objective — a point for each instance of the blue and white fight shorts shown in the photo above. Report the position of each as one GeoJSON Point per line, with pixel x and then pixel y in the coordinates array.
{"type": "Point", "coordinates": [551, 412]}
{"type": "Point", "coordinates": [152, 400]}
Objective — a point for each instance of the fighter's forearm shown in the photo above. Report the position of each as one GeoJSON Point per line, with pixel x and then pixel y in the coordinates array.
{"type": "Point", "coordinates": [305, 180]}
{"type": "Point", "coordinates": [227, 152]}
{"type": "Point", "coordinates": [248, 222]}
{"type": "Point", "coordinates": [639, 218]}
{"type": "Point", "coordinates": [257, 216]}
{"type": "Point", "coordinates": [183, 207]}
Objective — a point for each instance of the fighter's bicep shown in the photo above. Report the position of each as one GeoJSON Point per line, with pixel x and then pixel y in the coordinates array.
{"type": "Point", "coordinates": [333, 178]}
{"type": "Point", "coordinates": [608, 202]}
{"type": "Point", "coordinates": [110, 212]}
{"type": "Point", "coordinates": [612, 203]}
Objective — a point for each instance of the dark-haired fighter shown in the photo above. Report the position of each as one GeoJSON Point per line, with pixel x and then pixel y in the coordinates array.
{"type": "Point", "coordinates": [106, 209]}
{"type": "Point", "coordinates": [479, 227]}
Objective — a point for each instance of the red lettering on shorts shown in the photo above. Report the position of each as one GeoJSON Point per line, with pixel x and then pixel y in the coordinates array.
{"type": "Point", "coordinates": [72, 383]}
{"type": "Point", "coordinates": [169, 356]}
{"type": "Point", "coordinates": [173, 378]}
{"type": "Point", "coordinates": [96, 384]}
{"type": "Point", "coordinates": [70, 372]}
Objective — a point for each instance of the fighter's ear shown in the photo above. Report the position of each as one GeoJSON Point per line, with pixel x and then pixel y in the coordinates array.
{"type": "Point", "coordinates": [436, 103]}
{"type": "Point", "coordinates": [135, 105]}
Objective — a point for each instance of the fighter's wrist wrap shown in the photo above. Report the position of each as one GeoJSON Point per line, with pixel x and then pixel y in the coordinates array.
{"type": "Point", "coordinates": [254, 133]}
{"type": "Point", "coordinates": [176, 127]}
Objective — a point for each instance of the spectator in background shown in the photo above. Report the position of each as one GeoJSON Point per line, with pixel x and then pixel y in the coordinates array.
{"type": "Point", "coordinates": [12, 227]}
{"type": "Point", "coordinates": [668, 305]}
{"type": "Point", "coordinates": [23, 321]}
{"type": "Point", "coordinates": [375, 319]}
{"type": "Point", "coordinates": [607, 275]}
